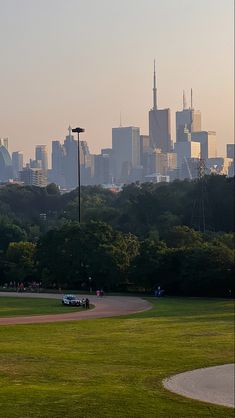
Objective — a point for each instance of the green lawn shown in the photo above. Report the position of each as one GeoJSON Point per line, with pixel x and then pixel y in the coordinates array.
{"type": "Point", "coordinates": [20, 306]}
{"type": "Point", "coordinates": [113, 368]}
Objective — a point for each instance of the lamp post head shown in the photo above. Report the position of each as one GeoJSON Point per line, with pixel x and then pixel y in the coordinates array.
{"type": "Point", "coordinates": [78, 130]}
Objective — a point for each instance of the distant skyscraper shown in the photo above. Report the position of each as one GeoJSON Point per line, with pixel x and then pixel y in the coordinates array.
{"type": "Point", "coordinates": [17, 163]}
{"type": "Point", "coordinates": [159, 123]}
{"type": "Point", "coordinates": [57, 163]}
{"type": "Point", "coordinates": [5, 164]}
{"type": "Point", "coordinates": [107, 151]}
{"type": "Point", "coordinates": [161, 163]}
{"type": "Point", "coordinates": [187, 120]}
{"type": "Point", "coordinates": [4, 142]}
{"type": "Point", "coordinates": [84, 152]}
{"type": "Point", "coordinates": [35, 163]}
{"type": "Point", "coordinates": [126, 151]}
{"type": "Point", "coordinates": [41, 155]}
{"type": "Point", "coordinates": [207, 140]}
{"type": "Point", "coordinates": [102, 169]}
{"type": "Point", "coordinates": [86, 163]}
{"type": "Point", "coordinates": [187, 150]}
{"type": "Point", "coordinates": [145, 147]}
{"type": "Point", "coordinates": [71, 161]}
{"type": "Point", "coordinates": [65, 162]}
{"type": "Point", "coordinates": [156, 162]}
{"type": "Point", "coordinates": [145, 150]}
{"type": "Point", "coordinates": [42, 159]}
{"type": "Point", "coordinates": [33, 177]}
{"type": "Point", "coordinates": [230, 148]}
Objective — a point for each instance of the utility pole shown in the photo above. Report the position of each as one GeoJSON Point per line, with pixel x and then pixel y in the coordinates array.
{"type": "Point", "coordinates": [78, 131]}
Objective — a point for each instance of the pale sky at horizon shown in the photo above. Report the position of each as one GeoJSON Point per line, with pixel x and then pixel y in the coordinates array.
{"type": "Point", "coordinates": [82, 62]}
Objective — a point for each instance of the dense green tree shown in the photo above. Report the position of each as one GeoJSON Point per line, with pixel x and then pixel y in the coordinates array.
{"type": "Point", "coordinates": [207, 270]}
{"type": "Point", "coordinates": [145, 266]}
{"type": "Point", "coordinates": [225, 239]}
{"type": "Point", "coordinates": [10, 232]}
{"type": "Point", "coordinates": [20, 257]}
{"type": "Point", "coordinates": [138, 208]}
{"type": "Point", "coordinates": [76, 252]}
{"type": "Point", "coordinates": [198, 271]}
{"type": "Point", "coordinates": [182, 236]}
{"type": "Point", "coordinates": [52, 189]}
{"type": "Point", "coordinates": [143, 235]}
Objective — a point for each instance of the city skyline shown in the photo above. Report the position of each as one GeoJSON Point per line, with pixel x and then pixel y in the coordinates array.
{"type": "Point", "coordinates": [76, 71]}
{"type": "Point", "coordinates": [132, 157]}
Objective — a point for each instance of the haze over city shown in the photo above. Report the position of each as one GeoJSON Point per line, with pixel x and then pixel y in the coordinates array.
{"type": "Point", "coordinates": [117, 173]}
{"type": "Point", "coordinates": [82, 63]}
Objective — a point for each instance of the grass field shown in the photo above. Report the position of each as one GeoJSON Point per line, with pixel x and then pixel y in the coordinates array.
{"type": "Point", "coordinates": [21, 306]}
{"type": "Point", "coordinates": [113, 368]}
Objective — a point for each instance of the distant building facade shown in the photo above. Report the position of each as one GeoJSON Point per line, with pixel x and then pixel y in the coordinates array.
{"type": "Point", "coordinates": [4, 142]}
{"type": "Point", "coordinates": [188, 120]}
{"type": "Point", "coordinates": [187, 150]}
{"type": "Point", "coordinates": [230, 151]}
{"type": "Point", "coordinates": [41, 155]}
{"type": "Point", "coordinates": [102, 169]}
{"type": "Point", "coordinates": [57, 164]}
{"type": "Point", "coordinates": [64, 170]}
{"type": "Point", "coordinates": [207, 139]}
{"type": "Point", "coordinates": [86, 164]}
{"type": "Point", "coordinates": [33, 177]}
{"type": "Point", "coordinates": [160, 129]}
{"type": "Point", "coordinates": [126, 151]}
{"type": "Point", "coordinates": [220, 165]}
{"type": "Point", "coordinates": [17, 163]}
{"type": "Point", "coordinates": [5, 163]}
{"type": "Point", "coordinates": [41, 159]}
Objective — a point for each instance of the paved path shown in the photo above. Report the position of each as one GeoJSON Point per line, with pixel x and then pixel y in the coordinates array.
{"type": "Point", "coordinates": [106, 306]}
{"type": "Point", "coordinates": [213, 384]}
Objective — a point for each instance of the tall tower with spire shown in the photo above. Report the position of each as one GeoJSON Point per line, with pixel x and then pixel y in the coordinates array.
{"type": "Point", "coordinates": [159, 123]}
{"type": "Point", "coordinates": [188, 120]}
{"type": "Point", "coordinates": [70, 131]}
{"type": "Point", "coordinates": [154, 88]}
{"type": "Point", "coordinates": [184, 101]}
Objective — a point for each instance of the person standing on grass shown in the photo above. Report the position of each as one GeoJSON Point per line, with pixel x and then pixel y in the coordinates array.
{"type": "Point", "coordinates": [87, 303]}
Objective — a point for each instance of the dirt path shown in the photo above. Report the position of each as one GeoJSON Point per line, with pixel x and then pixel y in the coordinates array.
{"type": "Point", "coordinates": [213, 384]}
{"type": "Point", "coordinates": [106, 306]}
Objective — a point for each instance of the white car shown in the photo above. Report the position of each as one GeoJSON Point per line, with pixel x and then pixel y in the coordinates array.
{"type": "Point", "coordinates": [71, 300]}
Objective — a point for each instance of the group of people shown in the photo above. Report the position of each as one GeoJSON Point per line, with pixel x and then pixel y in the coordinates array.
{"type": "Point", "coordinates": [20, 286]}
{"type": "Point", "coordinates": [99, 293]}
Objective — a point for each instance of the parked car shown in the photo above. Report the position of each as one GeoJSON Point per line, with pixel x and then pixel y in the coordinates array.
{"type": "Point", "coordinates": [71, 300]}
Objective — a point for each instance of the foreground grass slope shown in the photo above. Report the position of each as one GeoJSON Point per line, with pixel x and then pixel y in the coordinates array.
{"type": "Point", "coordinates": [114, 367]}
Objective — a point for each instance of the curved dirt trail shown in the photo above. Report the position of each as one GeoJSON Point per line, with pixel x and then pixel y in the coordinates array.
{"type": "Point", "coordinates": [212, 384]}
{"type": "Point", "coordinates": [106, 306]}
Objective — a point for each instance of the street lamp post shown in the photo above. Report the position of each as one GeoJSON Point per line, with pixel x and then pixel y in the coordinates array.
{"type": "Point", "coordinates": [78, 131]}
{"type": "Point", "coordinates": [90, 288]}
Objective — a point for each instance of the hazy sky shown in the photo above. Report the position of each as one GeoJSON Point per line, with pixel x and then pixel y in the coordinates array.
{"type": "Point", "coordinates": [82, 62]}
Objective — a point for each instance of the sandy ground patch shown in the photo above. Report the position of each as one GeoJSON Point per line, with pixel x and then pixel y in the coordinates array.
{"type": "Point", "coordinates": [212, 384]}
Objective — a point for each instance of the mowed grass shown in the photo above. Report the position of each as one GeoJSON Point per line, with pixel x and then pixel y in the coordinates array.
{"type": "Point", "coordinates": [24, 306]}
{"type": "Point", "coordinates": [114, 367]}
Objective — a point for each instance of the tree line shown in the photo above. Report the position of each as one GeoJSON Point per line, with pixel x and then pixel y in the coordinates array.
{"type": "Point", "coordinates": [136, 240]}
